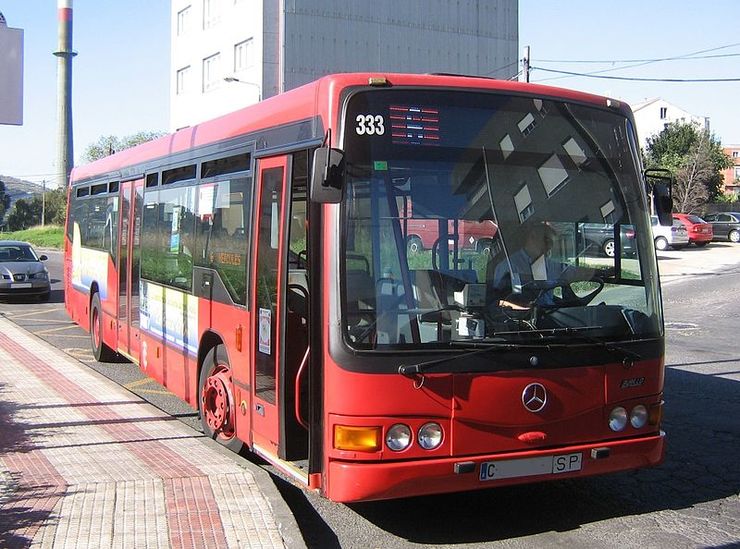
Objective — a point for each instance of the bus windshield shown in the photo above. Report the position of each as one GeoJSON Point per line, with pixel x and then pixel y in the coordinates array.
{"type": "Point", "coordinates": [480, 217]}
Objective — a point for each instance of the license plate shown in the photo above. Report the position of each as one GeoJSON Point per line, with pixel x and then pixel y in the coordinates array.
{"type": "Point", "coordinates": [22, 285]}
{"type": "Point", "coordinates": [546, 465]}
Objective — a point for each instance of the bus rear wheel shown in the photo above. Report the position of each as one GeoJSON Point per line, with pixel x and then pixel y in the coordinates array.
{"type": "Point", "coordinates": [216, 402]}
{"type": "Point", "coordinates": [101, 351]}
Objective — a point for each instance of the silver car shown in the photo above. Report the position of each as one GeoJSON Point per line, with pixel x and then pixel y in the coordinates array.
{"type": "Point", "coordinates": [21, 271]}
{"type": "Point", "coordinates": [675, 236]}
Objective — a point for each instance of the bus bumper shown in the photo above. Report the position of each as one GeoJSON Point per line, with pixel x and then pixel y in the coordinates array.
{"type": "Point", "coordinates": [357, 481]}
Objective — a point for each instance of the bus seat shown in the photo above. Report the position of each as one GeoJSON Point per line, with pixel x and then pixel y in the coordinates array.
{"type": "Point", "coordinates": [360, 294]}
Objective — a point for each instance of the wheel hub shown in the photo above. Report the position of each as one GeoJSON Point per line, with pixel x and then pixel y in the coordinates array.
{"type": "Point", "coordinates": [217, 403]}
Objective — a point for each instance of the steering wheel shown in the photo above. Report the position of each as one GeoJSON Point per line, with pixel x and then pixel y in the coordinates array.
{"type": "Point", "coordinates": [569, 298]}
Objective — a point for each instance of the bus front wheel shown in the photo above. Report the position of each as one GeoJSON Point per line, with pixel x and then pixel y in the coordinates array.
{"type": "Point", "coordinates": [216, 402]}
{"type": "Point", "coordinates": [101, 351]}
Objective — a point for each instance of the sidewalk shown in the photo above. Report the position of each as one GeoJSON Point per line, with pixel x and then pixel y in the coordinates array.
{"type": "Point", "coordinates": [85, 463]}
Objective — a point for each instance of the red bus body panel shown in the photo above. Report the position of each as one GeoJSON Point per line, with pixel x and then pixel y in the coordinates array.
{"type": "Point", "coordinates": [482, 415]}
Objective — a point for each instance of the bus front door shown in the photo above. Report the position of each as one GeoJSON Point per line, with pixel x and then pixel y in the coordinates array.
{"type": "Point", "coordinates": [268, 288]}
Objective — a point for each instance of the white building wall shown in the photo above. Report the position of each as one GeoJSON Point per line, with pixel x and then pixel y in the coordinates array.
{"type": "Point", "coordinates": [297, 41]}
{"type": "Point", "coordinates": [652, 117]}
{"type": "Point", "coordinates": [232, 22]}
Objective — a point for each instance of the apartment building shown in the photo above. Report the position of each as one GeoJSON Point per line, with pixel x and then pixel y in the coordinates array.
{"type": "Point", "coordinates": [226, 54]}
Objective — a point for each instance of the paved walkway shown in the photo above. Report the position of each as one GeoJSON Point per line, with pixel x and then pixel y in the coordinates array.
{"type": "Point", "coordinates": [85, 463]}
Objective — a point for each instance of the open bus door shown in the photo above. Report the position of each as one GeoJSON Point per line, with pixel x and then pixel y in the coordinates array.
{"type": "Point", "coordinates": [131, 195]}
{"type": "Point", "coordinates": [279, 313]}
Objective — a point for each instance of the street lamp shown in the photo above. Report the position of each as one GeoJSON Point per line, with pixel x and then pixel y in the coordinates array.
{"type": "Point", "coordinates": [231, 79]}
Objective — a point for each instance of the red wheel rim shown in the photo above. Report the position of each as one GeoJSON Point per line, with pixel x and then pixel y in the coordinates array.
{"type": "Point", "coordinates": [217, 402]}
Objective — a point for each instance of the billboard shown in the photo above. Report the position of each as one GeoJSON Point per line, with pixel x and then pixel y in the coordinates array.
{"type": "Point", "coordinates": [11, 69]}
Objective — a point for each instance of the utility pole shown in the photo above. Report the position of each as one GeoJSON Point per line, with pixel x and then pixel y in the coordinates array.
{"type": "Point", "coordinates": [65, 149]}
{"type": "Point", "coordinates": [43, 202]}
{"type": "Point", "coordinates": [524, 75]}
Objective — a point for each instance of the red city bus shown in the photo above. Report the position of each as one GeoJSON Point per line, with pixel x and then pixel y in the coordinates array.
{"type": "Point", "coordinates": [257, 266]}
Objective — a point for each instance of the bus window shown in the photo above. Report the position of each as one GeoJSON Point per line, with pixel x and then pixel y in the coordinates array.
{"type": "Point", "coordinates": [222, 232]}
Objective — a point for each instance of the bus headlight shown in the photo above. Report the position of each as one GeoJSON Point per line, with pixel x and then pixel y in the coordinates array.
{"type": "Point", "coordinates": [639, 416]}
{"type": "Point", "coordinates": [430, 436]}
{"type": "Point", "coordinates": [398, 437]}
{"type": "Point", "coordinates": [618, 419]}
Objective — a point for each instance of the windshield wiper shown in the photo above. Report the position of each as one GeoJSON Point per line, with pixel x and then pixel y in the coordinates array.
{"type": "Point", "coordinates": [421, 367]}
{"type": "Point", "coordinates": [625, 354]}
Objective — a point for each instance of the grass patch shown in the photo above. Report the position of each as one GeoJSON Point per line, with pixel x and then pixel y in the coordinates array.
{"type": "Point", "coordinates": [49, 236]}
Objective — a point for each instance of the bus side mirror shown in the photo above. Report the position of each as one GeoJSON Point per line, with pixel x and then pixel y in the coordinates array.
{"type": "Point", "coordinates": [660, 185]}
{"type": "Point", "coordinates": [327, 177]}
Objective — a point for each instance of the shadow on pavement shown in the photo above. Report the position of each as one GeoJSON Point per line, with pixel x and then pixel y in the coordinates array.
{"type": "Point", "coordinates": [703, 441]}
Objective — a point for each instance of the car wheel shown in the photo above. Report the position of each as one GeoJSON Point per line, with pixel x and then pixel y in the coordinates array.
{"type": "Point", "coordinates": [414, 245]}
{"type": "Point", "coordinates": [484, 246]}
{"type": "Point", "coordinates": [216, 402]}
{"type": "Point", "coordinates": [734, 236]}
{"type": "Point", "coordinates": [101, 351]}
{"type": "Point", "coordinates": [701, 244]}
{"type": "Point", "coordinates": [661, 243]}
{"type": "Point", "coordinates": [608, 248]}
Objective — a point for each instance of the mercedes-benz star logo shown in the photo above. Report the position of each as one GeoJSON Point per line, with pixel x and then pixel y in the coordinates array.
{"type": "Point", "coordinates": [534, 397]}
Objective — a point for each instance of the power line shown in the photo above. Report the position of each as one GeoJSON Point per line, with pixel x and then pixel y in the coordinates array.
{"type": "Point", "coordinates": [636, 79]}
{"type": "Point", "coordinates": [605, 61]}
{"type": "Point", "coordinates": [500, 68]}
{"type": "Point", "coordinates": [672, 58]}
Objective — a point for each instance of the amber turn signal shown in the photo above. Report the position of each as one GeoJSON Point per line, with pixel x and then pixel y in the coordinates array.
{"type": "Point", "coordinates": [357, 439]}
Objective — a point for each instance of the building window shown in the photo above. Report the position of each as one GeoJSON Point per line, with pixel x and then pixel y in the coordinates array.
{"type": "Point", "coordinates": [211, 13]}
{"type": "Point", "coordinates": [735, 154]}
{"type": "Point", "coordinates": [663, 113]}
{"type": "Point", "coordinates": [183, 80]}
{"type": "Point", "coordinates": [607, 212]}
{"type": "Point", "coordinates": [523, 202]}
{"type": "Point", "coordinates": [553, 174]}
{"type": "Point", "coordinates": [211, 72]}
{"type": "Point", "coordinates": [737, 173]}
{"type": "Point", "coordinates": [507, 146]}
{"type": "Point", "coordinates": [243, 55]}
{"type": "Point", "coordinates": [527, 124]}
{"type": "Point", "coordinates": [183, 21]}
{"type": "Point", "coordinates": [575, 151]}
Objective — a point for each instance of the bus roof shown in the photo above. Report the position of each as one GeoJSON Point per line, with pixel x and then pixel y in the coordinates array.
{"type": "Point", "coordinates": [303, 103]}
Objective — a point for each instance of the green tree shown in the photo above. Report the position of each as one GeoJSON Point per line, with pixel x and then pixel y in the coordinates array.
{"type": "Point", "coordinates": [27, 212]}
{"type": "Point", "coordinates": [696, 159]}
{"type": "Point", "coordinates": [4, 200]}
{"type": "Point", "coordinates": [109, 144]}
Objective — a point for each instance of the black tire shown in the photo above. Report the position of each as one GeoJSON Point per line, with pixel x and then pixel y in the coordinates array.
{"type": "Point", "coordinates": [101, 351]}
{"type": "Point", "coordinates": [414, 245]}
{"type": "Point", "coordinates": [216, 364]}
{"type": "Point", "coordinates": [734, 236]}
{"type": "Point", "coordinates": [701, 244]}
{"type": "Point", "coordinates": [661, 244]}
{"type": "Point", "coordinates": [485, 246]}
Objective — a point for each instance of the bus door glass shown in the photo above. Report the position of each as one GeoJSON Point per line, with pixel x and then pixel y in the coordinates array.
{"type": "Point", "coordinates": [268, 291]}
{"type": "Point", "coordinates": [128, 266]}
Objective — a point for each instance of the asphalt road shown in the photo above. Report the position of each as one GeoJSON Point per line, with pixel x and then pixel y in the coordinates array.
{"type": "Point", "coordinates": [692, 500]}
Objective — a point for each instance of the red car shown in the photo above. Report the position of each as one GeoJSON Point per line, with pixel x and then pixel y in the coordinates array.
{"type": "Point", "coordinates": [700, 232]}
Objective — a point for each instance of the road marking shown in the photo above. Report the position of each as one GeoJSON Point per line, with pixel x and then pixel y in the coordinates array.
{"type": "Point", "coordinates": [155, 392]}
{"type": "Point", "coordinates": [37, 312]}
{"type": "Point", "coordinates": [59, 329]}
{"type": "Point", "coordinates": [79, 354]}
{"type": "Point", "coordinates": [142, 381]}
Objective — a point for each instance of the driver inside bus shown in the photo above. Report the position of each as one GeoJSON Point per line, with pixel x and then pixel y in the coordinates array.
{"type": "Point", "coordinates": [528, 276]}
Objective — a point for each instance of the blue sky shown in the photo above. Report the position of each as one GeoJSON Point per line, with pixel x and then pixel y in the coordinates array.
{"type": "Point", "coordinates": [121, 82]}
